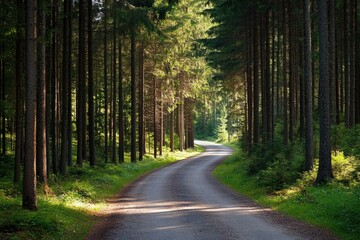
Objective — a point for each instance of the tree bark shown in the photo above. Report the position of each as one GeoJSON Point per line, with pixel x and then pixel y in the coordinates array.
{"type": "Point", "coordinates": [81, 114]}
{"type": "Point", "coordinates": [114, 95]}
{"type": "Point", "coordinates": [133, 97]}
{"type": "Point", "coordinates": [29, 200]}
{"type": "Point", "coordinates": [309, 142]}
{"type": "Point", "coordinates": [91, 87]}
{"type": "Point", "coordinates": [19, 92]}
{"type": "Point", "coordinates": [285, 109]}
{"type": "Point", "coordinates": [256, 80]}
{"type": "Point", "coordinates": [325, 168]}
{"type": "Point", "coordinates": [105, 83]}
{"type": "Point", "coordinates": [65, 90]}
{"type": "Point", "coordinates": [141, 102]}
{"type": "Point", "coordinates": [121, 107]}
{"type": "Point", "coordinates": [41, 146]}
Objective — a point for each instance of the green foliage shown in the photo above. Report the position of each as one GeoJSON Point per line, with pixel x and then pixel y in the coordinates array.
{"type": "Point", "coordinates": [275, 165]}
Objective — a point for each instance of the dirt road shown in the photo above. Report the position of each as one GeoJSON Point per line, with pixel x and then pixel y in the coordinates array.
{"type": "Point", "coordinates": [184, 201]}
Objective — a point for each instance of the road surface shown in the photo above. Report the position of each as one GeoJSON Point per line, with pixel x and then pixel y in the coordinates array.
{"type": "Point", "coordinates": [184, 201]}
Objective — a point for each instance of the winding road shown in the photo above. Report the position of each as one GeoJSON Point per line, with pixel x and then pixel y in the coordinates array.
{"type": "Point", "coordinates": [184, 201]}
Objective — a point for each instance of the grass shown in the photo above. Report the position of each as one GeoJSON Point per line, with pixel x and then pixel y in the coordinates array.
{"type": "Point", "coordinates": [75, 201]}
{"type": "Point", "coordinates": [335, 206]}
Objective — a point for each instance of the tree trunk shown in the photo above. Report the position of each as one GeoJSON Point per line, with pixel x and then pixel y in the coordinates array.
{"type": "Point", "coordinates": [285, 109]}
{"type": "Point", "coordinates": [29, 200]}
{"type": "Point", "coordinates": [41, 146]}
{"type": "Point", "coordinates": [161, 140]}
{"type": "Point", "coordinates": [172, 118]}
{"type": "Point", "coordinates": [155, 117]}
{"type": "Point", "coordinates": [114, 96]}
{"type": "Point", "coordinates": [133, 97]}
{"type": "Point", "coordinates": [141, 102]}
{"type": "Point", "coordinates": [69, 111]}
{"type": "Point", "coordinates": [325, 169]}
{"type": "Point", "coordinates": [81, 114]}
{"type": "Point", "coordinates": [65, 90]}
{"type": "Point", "coordinates": [256, 80]}
{"type": "Point", "coordinates": [352, 56]}
{"type": "Point", "coordinates": [309, 142]}
{"type": "Point", "coordinates": [54, 83]}
{"type": "Point", "coordinates": [332, 60]}
{"type": "Point", "coordinates": [19, 92]}
{"type": "Point", "coordinates": [121, 107]}
{"type": "Point", "coordinates": [91, 87]}
{"type": "Point", "coordinates": [105, 84]}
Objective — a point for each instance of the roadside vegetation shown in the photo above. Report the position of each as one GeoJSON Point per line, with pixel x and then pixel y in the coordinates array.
{"type": "Point", "coordinates": [74, 201]}
{"type": "Point", "coordinates": [272, 175]}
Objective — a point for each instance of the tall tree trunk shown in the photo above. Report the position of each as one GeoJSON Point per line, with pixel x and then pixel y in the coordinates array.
{"type": "Point", "coordinates": [19, 91]}
{"type": "Point", "coordinates": [249, 87]}
{"type": "Point", "coordinates": [2, 90]}
{"type": "Point", "coordinates": [29, 200]}
{"type": "Point", "coordinates": [81, 114]}
{"type": "Point", "coordinates": [91, 86]}
{"type": "Point", "coordinates": [105, 83]}
{"type": "Point", "coordinates": [256, 80]}
{"type": "Point", "coordinates": [181, 121]}
{"type": "Point", "coordinates": [352, 56]}
{"type": "Point", "coordinates": [285, 109]}
{"type": "Point", "coordinates": [291, 80]}
{"type": "Point", "coordinates": [41, 146]}
{"type": "Point", "coordinates": [161, 140]}
{"type": "Point", "coordinates": [263, 70]}
{"type": "Point", "coordinates": [267, 78]}
{"type": "Point", "coordinates": [141, 102]}
{"type": "Point", "coordinates": [172, 120]}
{"type": "Point", "coordinates": [332, 61]}
{"type": "Point", "coordinates": [325, 168]}
{"type": "Point", "coordinates": [65, 90]}
{"type": "Point", "coordinates": [133, 97]}
{"type": "Point", "coordinates": [114, 95]}
{"type": "Point", "coordinates": [155, 117]}
{"type": "Point", "coordinates": [121, 107]}
{"type": "Point", "coordinates": [54, 82]}
{"type": "Point", "coordinates": [309, 142]}
{"type": "Point", "coordinates": [69, 102]}
{"type": "Point", "coordinates": [347, 48]}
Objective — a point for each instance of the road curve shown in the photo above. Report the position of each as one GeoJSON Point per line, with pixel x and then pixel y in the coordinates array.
{"type": "Point", "coordinates": [184, 201]}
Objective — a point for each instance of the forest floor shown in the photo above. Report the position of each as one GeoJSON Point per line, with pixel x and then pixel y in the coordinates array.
{"type": "Point", "coordinates": [184, 201]}
{"type": "Point", "coordinates": [76, 200]}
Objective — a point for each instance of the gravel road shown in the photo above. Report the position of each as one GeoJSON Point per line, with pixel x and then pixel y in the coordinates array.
{"type": "Point", "coordinates": [184, 201]}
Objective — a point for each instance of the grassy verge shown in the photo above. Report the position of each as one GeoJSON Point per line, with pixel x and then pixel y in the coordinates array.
{"type": "Point", "coordinates": [70, 210]}
{"type": "Point", "coordinates": [334, 206]}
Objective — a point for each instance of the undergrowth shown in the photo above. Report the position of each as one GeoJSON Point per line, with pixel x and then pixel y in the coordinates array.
{"type": "Point", "coordinates": [75, 200]}
{"type": "Point", "coordinates": [274, 179]}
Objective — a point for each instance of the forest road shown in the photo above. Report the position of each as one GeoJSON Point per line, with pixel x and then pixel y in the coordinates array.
{"type": "Point", "coordinates": [184, 201]}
